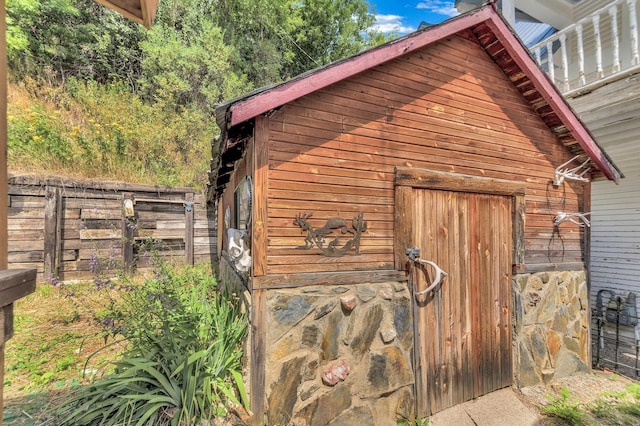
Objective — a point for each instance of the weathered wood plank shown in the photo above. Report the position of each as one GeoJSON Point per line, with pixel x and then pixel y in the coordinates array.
{"type": "Point", "coordinates": [92, 185]}
{"type": "Point", "coordinates": [24, 213]}
{"type": "Point", "coordinates": [475, 295]}
{"type": "Point", "coordinates": [52, 232]}
{"type": "Point", "coordinates": [261, 189]}
{"type": "Point", "coordinates": [519, 251]}
{"type": "Point", "coordinates": [188, 227]}
{"type": "Point", "coordinates": [327, 278]}
{"type": "Point", "coordinates": [286, 246]}
{"type": "Point", "coordinates": [331, 267]}
{"type": "Point", "coordinates": [258, 353]}
{"type": "Point", "coordinates": [402, 222]}
{"type": "Point", "coordinates": [100, 234]}
{"type": "Point", "coordinates": [25, 224]}
{"type": "Point", "coordinates": [370, 254]}
{"type": "Point", "coordinates": [422, 178]}
{"type": "Point", "coordinates": [25, 201]}
{"type": "Point", "coordinates": [15, 284]}
{"type": "Point", "coordinates": [508, 242]}
{"type": "Point", "coordinates": [283, 212]}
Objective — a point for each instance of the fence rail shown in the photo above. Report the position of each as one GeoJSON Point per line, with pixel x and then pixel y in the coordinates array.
{"type": "Point", "coordinates": [69, 229]}
{"type": "Point", "coordinates": [615, 334]}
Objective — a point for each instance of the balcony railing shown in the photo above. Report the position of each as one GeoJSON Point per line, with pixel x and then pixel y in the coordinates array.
{"type": "Point", "coordinates": [597, 49]}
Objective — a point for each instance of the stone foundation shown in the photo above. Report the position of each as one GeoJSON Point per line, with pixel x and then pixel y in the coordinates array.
{"type": "Point", "coordinates": [551, 326]}
{"type": "Point", "coordinates": [339, 355]}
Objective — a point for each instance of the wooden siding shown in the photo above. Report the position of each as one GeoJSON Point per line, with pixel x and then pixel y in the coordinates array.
{"type": "Point", "coordinates": [447, 108]}
{"type": "Point", "coordinates": [87, 223]}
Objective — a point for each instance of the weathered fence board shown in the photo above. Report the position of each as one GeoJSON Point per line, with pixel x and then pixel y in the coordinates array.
{"type": "Point", "coordinates": [69, 229]}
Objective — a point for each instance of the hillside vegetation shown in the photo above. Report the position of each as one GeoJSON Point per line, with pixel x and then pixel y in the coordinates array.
{"type": "Point", "coordinates": [94, 95]}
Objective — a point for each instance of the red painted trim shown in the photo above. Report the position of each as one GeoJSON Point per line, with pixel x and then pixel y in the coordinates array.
{"type": "Point", "coordinates": [265, 101]}
{"type": "Point", "coordinates": [550, 93]}
{"type": "Point", "coordinates": [296, 88]}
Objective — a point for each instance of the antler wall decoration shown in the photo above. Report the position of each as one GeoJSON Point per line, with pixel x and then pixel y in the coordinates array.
{"type": "Point", "coordinates": [318, 237]}
{"type": "Point", "coordinates": [578, 173]}
{"type": "Point", "coordinates": [579, 219]}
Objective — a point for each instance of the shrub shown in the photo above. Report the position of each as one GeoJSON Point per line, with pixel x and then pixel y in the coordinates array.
{"type": "Point", "coordinates": [183, 360]}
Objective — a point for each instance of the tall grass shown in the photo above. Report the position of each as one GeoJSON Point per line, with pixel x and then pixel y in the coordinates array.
{"type": "Point", "coordinates": [84, 129]}
{"type": "Point", "coordinates": [183, 360]}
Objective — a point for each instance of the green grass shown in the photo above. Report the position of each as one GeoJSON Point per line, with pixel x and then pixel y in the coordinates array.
{"type": "Point", "coordinates": [55, 333]}
{"type": "Point", "coordinates": [181, 359]}
{"type": "Point", "coordinates": [610, 408]}
{"type": "Point", "coordinates": [87, 130]}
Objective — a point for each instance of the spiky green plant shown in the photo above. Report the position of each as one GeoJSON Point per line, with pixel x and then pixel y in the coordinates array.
{"type": "Point", "coordinates": [183, 362]}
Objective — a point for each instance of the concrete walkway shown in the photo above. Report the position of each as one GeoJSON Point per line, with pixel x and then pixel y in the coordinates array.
{"type": "Point", "coordinates": [502, 407]}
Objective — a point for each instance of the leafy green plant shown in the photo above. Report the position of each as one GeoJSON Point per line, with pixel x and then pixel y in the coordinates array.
{"type": "Point", "coordinates": [415, 422]}
{"type": "Point", "coordinates": [183, 361]}
{"type": "Point", "coordinates": [563, 407]}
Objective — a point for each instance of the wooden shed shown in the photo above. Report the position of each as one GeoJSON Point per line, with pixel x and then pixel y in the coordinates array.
{"type": "Point", "coordinates": [401, 228]}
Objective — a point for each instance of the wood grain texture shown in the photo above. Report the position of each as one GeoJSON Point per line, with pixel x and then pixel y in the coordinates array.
{"type": "Point", "coordinates": [337, 150]}
{"type": "Point", "coordinates": [261, 181]}
{"type": "Point", "coordinates": [295, 280]}
{"type": "Point", "coordinates": [52, 232]}
{"type": "Point", "coordinates": [189, 208]}
{"type": "Point", "coordinates": [463, 328]}
{"type": "Point", "coordinates": [88, 225]}
{"type": "Point", "coordinates": [258, 354]}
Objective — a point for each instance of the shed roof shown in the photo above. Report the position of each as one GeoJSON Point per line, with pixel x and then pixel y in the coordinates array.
{"type": "Point", "coordinates": [485, 25]}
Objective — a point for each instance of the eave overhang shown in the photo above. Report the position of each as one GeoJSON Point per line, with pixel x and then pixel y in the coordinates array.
{"type": "Point", "coordinates": [141, 11]}
{"type": "Point", "coordinates": [489, 30]}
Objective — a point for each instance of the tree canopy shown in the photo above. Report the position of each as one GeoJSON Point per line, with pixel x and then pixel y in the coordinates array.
{"type": "Point", "coordinates": [77, 57]}
{"type": "Point", "coordinates": [198, 50]}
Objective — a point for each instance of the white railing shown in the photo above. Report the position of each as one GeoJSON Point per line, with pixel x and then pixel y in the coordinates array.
{"type": "Point", "coordinates": [596, 49]}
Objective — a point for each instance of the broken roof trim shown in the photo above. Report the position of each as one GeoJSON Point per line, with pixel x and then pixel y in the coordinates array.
{"type": "Point", "coordinates": [140, 11]}
{"type": "Point", "coordinates": [554, 98]}
{"type": "Point", "coordinates": [268, 98]}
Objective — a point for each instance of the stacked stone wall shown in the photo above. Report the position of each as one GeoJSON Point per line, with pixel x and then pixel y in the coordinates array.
{"type": "Point", "coordinates": [339, 355]}
{"type": "Point", "coordinates": [551, 326]}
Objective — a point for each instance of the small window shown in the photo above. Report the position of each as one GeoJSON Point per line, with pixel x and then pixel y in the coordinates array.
{"type": "Point", "coordinates": [243, 194]}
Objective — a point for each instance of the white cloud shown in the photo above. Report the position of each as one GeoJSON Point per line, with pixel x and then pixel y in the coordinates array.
{"type": "Point", "coordinates": [391, 23]}
{"type": "Point", "coordinates": [440, 7]}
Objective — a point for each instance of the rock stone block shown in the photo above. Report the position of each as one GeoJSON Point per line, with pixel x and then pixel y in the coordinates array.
{"type": "Point", "coordinates": [329, 345]}
{"type": "Point", "coordinates": [360, 415]}
{"type": "Point", "coordinates": [388, 370]}
{"type": "Point", "coordinates": [370, 324]}
{"type": "Point", "coordinates": [284, 392]}
{"type": "Point", "coordinates": [326, 408]}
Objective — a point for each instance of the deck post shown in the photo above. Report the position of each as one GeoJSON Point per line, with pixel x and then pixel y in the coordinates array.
{"type": "Point", "coordinates": [127, 233]}
{"type": "Point", "coordinates": [188, 228]}
{"type": "Point", "coordinates": [52, 232]}
{"type": "Point", "coordinates": [3, 181]}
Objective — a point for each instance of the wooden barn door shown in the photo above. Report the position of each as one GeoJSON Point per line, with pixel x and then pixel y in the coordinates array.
{"type": "Point", "coordinates": [463, 339]}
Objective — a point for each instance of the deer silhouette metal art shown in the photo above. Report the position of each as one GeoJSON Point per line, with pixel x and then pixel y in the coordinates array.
{"type": "Point", "coordinates": [323, 239]}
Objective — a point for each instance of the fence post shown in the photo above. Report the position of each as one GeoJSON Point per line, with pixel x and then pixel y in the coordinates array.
{"type": "Point", "coordinates": [188, 228]}
{"type": "Point", "coordinates": [128, 227]}
{"type": "Point", "coordinates": [52, 232]}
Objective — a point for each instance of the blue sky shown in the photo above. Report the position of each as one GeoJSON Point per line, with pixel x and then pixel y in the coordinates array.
{"type": "Point", "coordinates": [404, 16]}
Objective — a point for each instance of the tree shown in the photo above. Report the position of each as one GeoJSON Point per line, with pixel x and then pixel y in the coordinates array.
{"type": "Point", "coordinates": [330, 30]}
{"type": "Point", "coordinates": [185, 60]}
{"type": "Point", "coordinates": [55, 39]}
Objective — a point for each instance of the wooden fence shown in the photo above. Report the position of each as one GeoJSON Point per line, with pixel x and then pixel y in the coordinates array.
{"type": "Point", "coordinates": [69, 229]}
